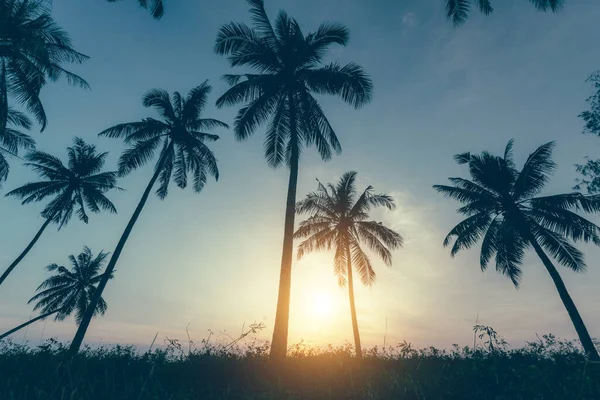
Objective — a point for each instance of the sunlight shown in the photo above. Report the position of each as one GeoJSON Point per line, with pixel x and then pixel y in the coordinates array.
{"type": "Point", "coordinates": [321, 305]}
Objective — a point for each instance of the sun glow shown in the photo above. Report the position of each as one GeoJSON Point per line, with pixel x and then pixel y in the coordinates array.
{"type": "Point", "coordinates": [322, 305]}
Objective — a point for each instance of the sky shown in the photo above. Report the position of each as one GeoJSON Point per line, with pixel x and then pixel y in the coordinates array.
{"type": "Point", "coordinates": [210, 261]}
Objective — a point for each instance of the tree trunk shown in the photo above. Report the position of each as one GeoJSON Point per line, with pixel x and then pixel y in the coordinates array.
{"type": "Point", "coordinates": [282, 315]}
{"type": "Point", "coordinates": [24, 253]}
{"type": "Point", "coordinates": [31, 321]}
{"type": "Point", "coordinates": [357, 346]}
{"type": "Point", "coordinates": [582, 332]}
{"type": "Point", "coordinates": [87, 317]}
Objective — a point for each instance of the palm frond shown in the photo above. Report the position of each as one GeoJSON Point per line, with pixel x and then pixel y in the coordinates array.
{"type": "Point", "coordinates": [535, 172]}
{"type": "Point", "coordinates": [468, 232]}
{"type": "Point", "coordinates": [562, 251]}
{"type": "Point", "coordinates": [362, 264]}
{"type": "Point", "coordinates": [350, 82]}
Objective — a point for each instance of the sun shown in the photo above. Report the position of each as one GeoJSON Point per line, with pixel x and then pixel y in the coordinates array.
{"type": "Point", "coordinates": [322, 304]}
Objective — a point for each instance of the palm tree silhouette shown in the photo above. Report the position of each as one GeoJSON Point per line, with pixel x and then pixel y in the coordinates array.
{"type": "Point", "coordinates": [340, 220]}
{"type": "Point", "coordinates": [182, 136]}
{"type": "Point", "coordinates": [289, 69]}
{"type": "Point", "coordinates": [68, 291]}
{"type": "Point", "coordinates": [503, 209]}
{"type": "Point", "coordinates": [79, 185]}
{"type": "Point", "coordinates": [34, 50]}
{"type": "Point", "coordinates": [12, 140]}
{"type": "Point", "coordinates": [458, 10]}
{"type": "Point", "coordinates": [156, 7]}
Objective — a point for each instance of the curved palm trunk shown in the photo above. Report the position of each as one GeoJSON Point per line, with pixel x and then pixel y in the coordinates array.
{"type": "Point", "coordinates": [31, 321]}
{"type": "Point", "coordinates": [582, 332]}
{"type": "Point", "coordinates": [87, 317]}
{"type": "Point", "coordinates": [24, 253]}
{"type": "Point", "coordinates": [282, 315]}
{"type": "Point", "coordinates": [357, 346]}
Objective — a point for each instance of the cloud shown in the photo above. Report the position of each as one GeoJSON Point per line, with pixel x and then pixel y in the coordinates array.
{"type": "Point", "coordinates": [409, 20]}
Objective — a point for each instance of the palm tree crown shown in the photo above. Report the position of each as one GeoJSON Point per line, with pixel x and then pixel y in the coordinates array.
{"type": "Point", "coordinates": [13, 140]}
{"type": "Point", "coordinates": [33, 50]}
{"type": "Point", "coordinates": [181, 135]}
{"type": "Point", "coordinates": [458, 10]}
{"type": "Point", "coordinates": [79, 185]}
{"type": "Point", "coordinates": [338, 219]}
{"type": "Point", "coordinates": [288, 69]}
{"type": "Point", "coordinates": [155, 7]}
{"type": "Point", "coordinates": [503, 209]}
{"type": "Point", "coordinates": [70, 290]}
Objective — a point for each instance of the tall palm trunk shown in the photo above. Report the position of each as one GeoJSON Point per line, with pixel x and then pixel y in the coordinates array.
{"type": "Point", "coordinates": [357, 345]}
{"type": "Point", "coordinates": [282, 315]}
{"type": "Point", "coordinates": [87, 317]}
{"type": "Point", "coordinates": [27, 249]}
{"type": "Point", "coordinates": [582, 332]}
{"type": "Point", "coordinates": [31, 321]}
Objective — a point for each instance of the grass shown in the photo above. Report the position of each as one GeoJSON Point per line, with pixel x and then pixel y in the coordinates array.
{"type": "Point", "coordinates": [546, 369]}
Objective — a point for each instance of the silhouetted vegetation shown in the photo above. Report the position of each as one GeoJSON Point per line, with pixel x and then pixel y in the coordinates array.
{"type": "Point", "coordinates": [68, 291]}
{"type": "Point", "coordinates": [156, 7]}
{"type": "Point", "coordinates": [73, 188]}
{"type": "Point", "coordinates": [590, 171]}
{"type": "Point", "coordinates": [33, 50]}
{"type": "Point", "coordinates": [504, 211]}
{"type": "Point", "coordinates": [547, 369]}
{"type": "Point", "coordinates": [339, 220]}
{"type": "Point", "coordinates": [286, 71]}
{"type": "Point", "coordinates": [181, 137]}
{"type": "Point", "coordinates": [289, 70]}
{"type": "Point", "coordinates": [458, 10]}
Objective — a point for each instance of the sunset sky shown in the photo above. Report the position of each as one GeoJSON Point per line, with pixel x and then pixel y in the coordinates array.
{"type": "Point", "coordinates": [212, 259]}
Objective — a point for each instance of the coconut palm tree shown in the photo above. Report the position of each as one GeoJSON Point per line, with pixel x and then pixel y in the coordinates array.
{"type": "Point", "coordinates": [12, 140]}
{"type": "Point", "coordinates": [458, 10]}
{"type": "Point", "coordinates": [33, 50]}
{"type": "Point", "coordinates": [68, 291]}
{"type": "Point", "coordinates": [181, 135]}
{"type": "Point", "coordinates": [156, 7]}
{"type": "Point", "coordinates": [73, 188]}
{"type": "Point", "coordinates": [339, 219]}
{"type": "Point", "coordinates": [503, 209]}
{"type": "Point", "coordinates": [288, 70]}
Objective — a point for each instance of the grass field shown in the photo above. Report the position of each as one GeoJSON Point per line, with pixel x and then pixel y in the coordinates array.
{"type": "Point", "coordinates": [546, 369]}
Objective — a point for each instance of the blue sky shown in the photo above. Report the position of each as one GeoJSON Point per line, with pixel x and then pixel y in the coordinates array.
{"type": "Point", "coordinates": [212, 260]}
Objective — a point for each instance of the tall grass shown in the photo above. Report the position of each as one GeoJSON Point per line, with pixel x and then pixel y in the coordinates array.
{"type": "Point", "coordinates": [546, 369]}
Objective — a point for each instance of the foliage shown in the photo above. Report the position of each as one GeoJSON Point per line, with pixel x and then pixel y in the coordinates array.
{"type": "Point", "coordinates": [70, 290]}
{"type": "Point", "coordinates": [548, 369]}
{"type": "Point", "coordinates": [590, 171]}
{"type": "Point", "coordinates": [504, 211]}
{"type": "Point", "coordinates": [288, 70]}
{"type": "Point", "coordinates": [156, 7]}
{"type": "Point", "coordinates": [13, 140]}
{"type": "Point", "coordinates": [33, 50]}
{"type": "Point", "coordinates": [339, 219]}
{"type": "Point", "coordinates": [181, 136]}
{"type": "Point", "coordinates": [78, 185]}
{"type": "Point", "coordinates": [458, 10]}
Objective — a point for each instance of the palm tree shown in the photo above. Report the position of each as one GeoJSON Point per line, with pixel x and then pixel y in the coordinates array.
{"type": "Point", "coordinates": [458, 10]}
{"type": "Point", "coordinates": [503, 209]}
{"type": "Point", "coordinates": [68, 291]}
{"type": "Point", "coordinates": [289, 68]}
{"type": "Point", "coordinates": [77, 186]}
{"type": "Point", "coordinates": [340, 220]}
{"type": "Point", "coordinates": [181, 136]}
{"type": "Point", "coordinates": [156, 7]}
{"type": "Point", "coordinates": [12, 140]}
{"type": "Point", "coordinates": [33, 50]}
